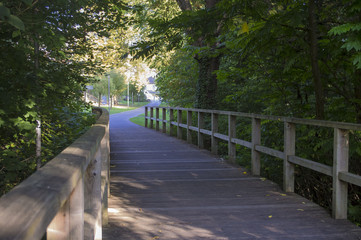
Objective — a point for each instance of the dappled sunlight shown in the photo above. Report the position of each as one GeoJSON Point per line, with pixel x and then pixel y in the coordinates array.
{"type": "Point", "coordinates": [148, 224]}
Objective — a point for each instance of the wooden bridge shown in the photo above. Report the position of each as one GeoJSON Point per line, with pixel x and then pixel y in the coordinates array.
{"type": "Point", "coordinates": [162, 187]}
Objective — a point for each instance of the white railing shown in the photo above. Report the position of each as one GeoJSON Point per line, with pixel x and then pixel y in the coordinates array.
{"type": "Point", "coordinates": [68, 197]}
{"type": "Point", "coordinates": [339, 171]}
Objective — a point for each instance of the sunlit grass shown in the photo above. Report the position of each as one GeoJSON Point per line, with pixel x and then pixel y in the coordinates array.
{"type": "Point", "coordinates": [138, 120]}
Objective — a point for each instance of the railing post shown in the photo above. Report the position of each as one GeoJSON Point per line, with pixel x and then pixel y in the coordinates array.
{"type": "Point", "coordinates": [156, 118]}
{"type": "Point", "coordinates": [189, 123]}
{"type": "Point", "coordinates": [214, 140]}
{"type": "Point", "coordinates": [289, 150]}
{"type": "Point", "coordinates": [171, 119]}
{"type": "Point", "coordinates": [164, 119]}
{"type": "Point", "coordinates": [340, 164]}
{"type": "Point", "coordinates": [256, 140]}
{"type": "Point", "coordinates": [151, 117]}
{"type": "Point", "coordinates": [179, 121]}
{"type": "Point", "coordinates": [200, 126]}
{"type": "Point", "coordinates": [231, 134]}
{"type": "Point", "coordinates": [146, 117]}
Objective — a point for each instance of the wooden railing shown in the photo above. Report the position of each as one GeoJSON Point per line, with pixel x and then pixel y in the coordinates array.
{"type": "Point", "coordinates": [339, 171]}
{"type": "Point", "coordinates": [68, 197]}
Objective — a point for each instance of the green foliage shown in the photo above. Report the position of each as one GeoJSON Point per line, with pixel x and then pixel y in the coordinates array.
{"type": "Point", "coordinates": [45, 64]}
{"type": "Point", "coordinates": [266, 67]}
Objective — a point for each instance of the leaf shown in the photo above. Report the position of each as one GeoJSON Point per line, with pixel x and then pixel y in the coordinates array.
{"type": "Point", "coordinates": [4, 12]}
{"type": "Point", "coordinates": [357, 61]}
{"type": "Point", "coordinates": [16, 22]}
{"type": "Point", "coordinates": [16, 34]}
{"type": "Point", "coordinates": [349, 45]}
{"type": "Point", "coordinates": [28, 2]}
{"type": "Point", "coordinates": [245, 28]}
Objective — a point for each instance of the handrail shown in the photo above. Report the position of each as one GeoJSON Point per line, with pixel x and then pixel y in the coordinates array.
{"type": "Point", "coordinates": [339, 171]}
{"type": "Point", "coordinates": [68, 197]}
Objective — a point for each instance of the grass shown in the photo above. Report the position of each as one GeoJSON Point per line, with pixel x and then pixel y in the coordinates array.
{"type": "Point", "coordinates": [138, 120]}
{"type": "Point", "coordinates": [115, 110]}
{"type": "Point", "coordinates": [136, 104]}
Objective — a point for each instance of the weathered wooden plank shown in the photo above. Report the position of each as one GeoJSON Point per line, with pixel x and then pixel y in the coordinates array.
{"type": "Point", "coordinates": [269, 151]}
{"type": "Point", "coordinates": [256, 140]}
{"type": "Point", "coordinates": [221, 136]}
{"type": "Point", "coordinates": [340, 164]}
{"type": "Point", "coordinates": [310, 122]}
{"type": "Point", "coordinates": [350, 178]}
{"type": "Point", "coordinates": [193, 128]}
{"type": "Point", "coordinates": [315, 166]}
{"type": "Point", "coordinates": [289, 144]}
{"type": "Point", "coordinates": [164, 120]}
{"type": "Point", "coordinates": [242, 142]}
{"type": "Point", "coordinates": [214, 140]}
{"type": "Point", "coordinates": [205, 131]}
{"type": "Point", "coordinates": [189, 124]}
{"type": "Point", "coordinates": [231, 135]}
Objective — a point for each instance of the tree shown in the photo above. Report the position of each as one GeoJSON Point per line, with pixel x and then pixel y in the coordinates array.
{"type": "Point", "coordinates": [45, 63]}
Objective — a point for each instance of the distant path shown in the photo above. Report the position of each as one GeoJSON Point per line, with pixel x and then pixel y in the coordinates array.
{"type": "Point", "coordinates": [163, 188]}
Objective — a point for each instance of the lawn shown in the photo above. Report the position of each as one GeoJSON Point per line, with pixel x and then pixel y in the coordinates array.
{"type": "Point", "coordinates": [140, 120]}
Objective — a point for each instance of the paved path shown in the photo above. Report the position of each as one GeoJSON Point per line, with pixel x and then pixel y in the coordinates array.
{"type": "Point", "coordinates": [163, 188]}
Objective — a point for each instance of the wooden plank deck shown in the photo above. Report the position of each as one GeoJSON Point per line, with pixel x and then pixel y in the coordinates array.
{"type": "Point", "coordinates": [164, 188]}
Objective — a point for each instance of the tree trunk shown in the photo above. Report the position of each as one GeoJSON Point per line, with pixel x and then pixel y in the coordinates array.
{"type": "Point", "coordinates": [99, 99]}
{"type": "Point", "coordinates": [357, 89]}
{"type": "Point", "coordinates": [38, 120]}
{"type": "Point", "coordinates": [318, 85]}
{"type": "Point", "coordinates": [206, 91]}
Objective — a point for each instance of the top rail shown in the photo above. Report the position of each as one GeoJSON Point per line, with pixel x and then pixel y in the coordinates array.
{"type": "Point", "coordinates": [338, 171]}
{"type": "Point", "coordinates": [310, 122]}
{"type": "Point", "coordinates": [67, 198]}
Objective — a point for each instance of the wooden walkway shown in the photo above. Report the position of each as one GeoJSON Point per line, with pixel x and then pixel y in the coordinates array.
{"type": "Point", "coordinates": [164, 188]}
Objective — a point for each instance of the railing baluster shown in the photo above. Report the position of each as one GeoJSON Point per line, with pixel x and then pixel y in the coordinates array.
{"type": "Point", "coordinates": [164, 118]}
{"type": "Point", "coordinates": [200, 126]}
{"type": "Point", "coordinates": [171, 119]}
{"type": "Point", "coordinates": [151, 117]}
{"type": "Point", "coordinates": [179, 121]}
{"type": "Point", "coordinates": [146, 117]}
{"type": "Point", "coordinates": [340, 164]}
{"type": "Point", "coordinates": [157, 117]}
{"type": "Point", "coordinates": [289, 150]}
{"type": "Point", "coordinates": [214, 140]}
{"type": "Point", "coordinates": [189, 123]}
{"type": "Point", "coordinates": [231, 134]}
{"type": "Point", "coordinates": [256, 140]}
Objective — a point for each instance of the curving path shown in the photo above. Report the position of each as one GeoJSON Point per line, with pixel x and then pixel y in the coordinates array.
{"type": "Point", "coordinates": [164, 188]}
